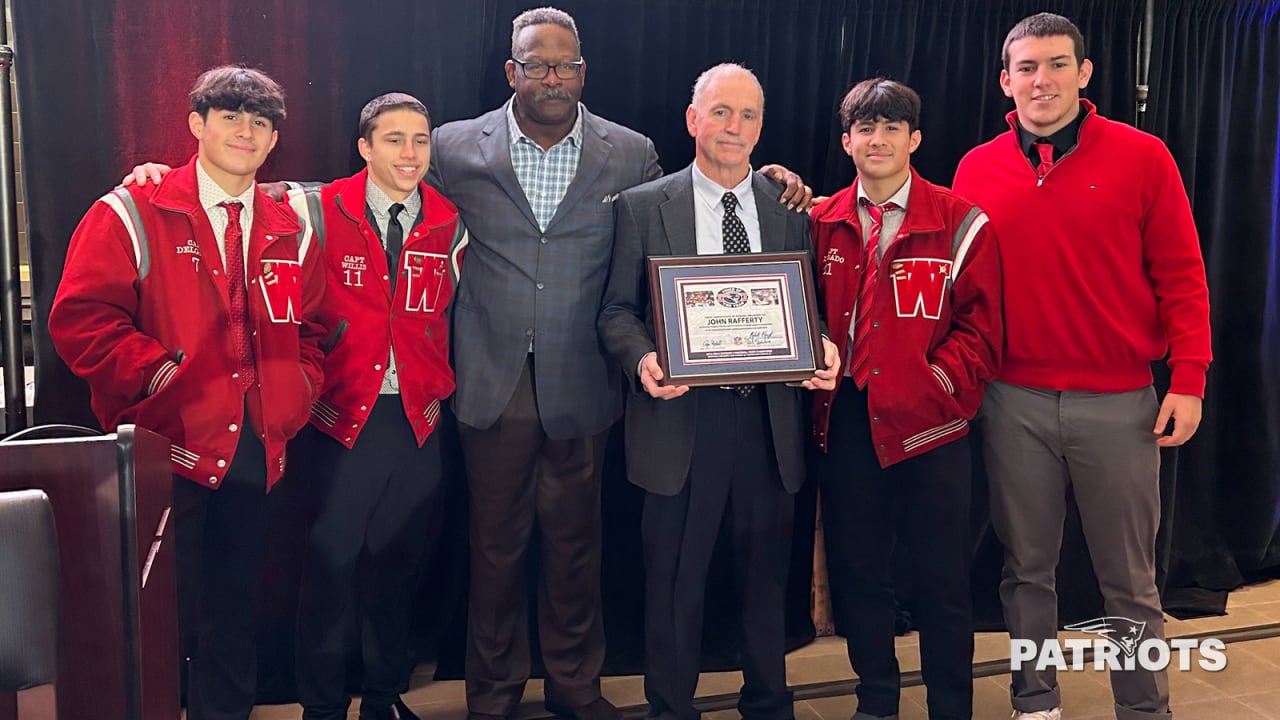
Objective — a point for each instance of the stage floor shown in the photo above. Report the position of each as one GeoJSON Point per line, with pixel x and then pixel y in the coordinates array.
{"type": "Point", "coordinates": [1248, 689]}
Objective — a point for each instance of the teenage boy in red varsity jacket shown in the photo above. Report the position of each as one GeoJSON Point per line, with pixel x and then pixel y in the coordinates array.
{"type": "Point", "coordinates": [910, 288]}
{"type": "Point", "coordinates": [391, 252]}
{"type": "Point", "coordinates": [376, 460]}
{"type": "Point", "coordinates": [191, 308]}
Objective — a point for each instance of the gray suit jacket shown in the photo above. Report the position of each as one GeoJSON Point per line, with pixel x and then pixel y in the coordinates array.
{"type": "Point", "coordinates": [520, 284]}
{"type": "Point", "coordinates": [657, 218]}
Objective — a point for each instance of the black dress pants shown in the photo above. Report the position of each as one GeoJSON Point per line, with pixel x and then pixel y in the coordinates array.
{"type": "Point", "coordinates": [374, 504]}
{"type": "Point", "coordinates": [733, 479]}
{"type": "Point", "coordinates": [918, 507]}
{"type": "Point", "coordinates": [221, 537]}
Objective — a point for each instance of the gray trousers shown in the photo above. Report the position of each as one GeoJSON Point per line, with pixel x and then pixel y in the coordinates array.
{"type": "Point", "coordinates": [1038, 445]}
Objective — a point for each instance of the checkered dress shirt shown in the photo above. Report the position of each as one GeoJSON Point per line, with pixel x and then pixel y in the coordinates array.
{"type": "Point", "coordinates": [210, 196]}
{"type": "Point", "coordinates": [544, 174]}
{"type": "Point", "coordinates": [380, 207]}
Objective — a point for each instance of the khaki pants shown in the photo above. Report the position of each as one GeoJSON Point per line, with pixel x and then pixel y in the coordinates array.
{"type": "Point", "coordinates": [1038, 445]}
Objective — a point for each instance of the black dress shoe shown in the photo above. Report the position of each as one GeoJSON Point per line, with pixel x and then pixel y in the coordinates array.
{"type": "Point", "coordinates": [598, 709]}
{"type": "Point", "coordinates": [395, 711]}
{"type": "Point", "coordinates": [482, 716]}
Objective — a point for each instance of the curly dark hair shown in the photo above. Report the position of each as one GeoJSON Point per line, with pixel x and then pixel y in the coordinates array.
{"type": "Point", "coordinates": [232, 87]}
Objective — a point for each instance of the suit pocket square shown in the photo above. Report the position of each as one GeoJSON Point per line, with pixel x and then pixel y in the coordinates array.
{"type": "Point", "coordinates": [609, 198]}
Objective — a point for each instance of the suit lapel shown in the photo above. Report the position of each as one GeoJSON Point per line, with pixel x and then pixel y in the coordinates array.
{"type": "Point", "coordinates": [677, 214]}
{"type": "Point", "coordinates": [495, 148]}
{"type": "Point", "coordinates": [593, 159]}
{"type": "Point", "coordinates": [772, 214]}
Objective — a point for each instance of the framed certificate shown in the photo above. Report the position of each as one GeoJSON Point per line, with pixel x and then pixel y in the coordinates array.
{"type": "Point", "coordinates": [735, 319]}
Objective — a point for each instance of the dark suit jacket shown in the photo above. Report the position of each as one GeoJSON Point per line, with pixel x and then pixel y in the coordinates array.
{"type": "Point", "coordinates": [657, 218]}
{"type": "Point", "coordinates": [519, 283]}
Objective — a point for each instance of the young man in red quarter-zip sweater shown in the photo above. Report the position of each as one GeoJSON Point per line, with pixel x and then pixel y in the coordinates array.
{"type": "Point", "coordinates": [1102, 275]}
{"type": "Point", "coordinates": [191, 309]}
{"type": "Point", "coordinates": [910, 289]}
{"type": "Point", "coordinates": [389, 248]}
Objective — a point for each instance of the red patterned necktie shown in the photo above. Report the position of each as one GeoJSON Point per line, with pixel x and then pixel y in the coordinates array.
{"type": "Point", "coordinates": [238, 294]}
{"type": "Point", "coordinates": [1046, 158]}
{"type": "Point", "coordinates": [859, 368]}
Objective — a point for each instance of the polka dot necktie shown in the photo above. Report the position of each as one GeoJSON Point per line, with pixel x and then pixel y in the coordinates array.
{"type": "Point", "coordinates": [735, 243]}
{"type": "Point", "coordinates": [735, 233]}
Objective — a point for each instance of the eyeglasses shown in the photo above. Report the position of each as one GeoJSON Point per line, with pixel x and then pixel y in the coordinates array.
{"type": "Point", "coordinates": [538, 70]}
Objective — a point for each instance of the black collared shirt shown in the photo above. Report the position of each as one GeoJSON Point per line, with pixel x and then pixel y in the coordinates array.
{"type": "Point", "coordinates": [1062, 141]}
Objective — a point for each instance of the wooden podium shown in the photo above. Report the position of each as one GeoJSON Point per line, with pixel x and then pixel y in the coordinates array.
{"type": "Point", "coordinates": [111, 496]}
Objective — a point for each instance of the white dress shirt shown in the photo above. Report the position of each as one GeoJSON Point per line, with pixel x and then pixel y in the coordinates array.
{"type": "Point", "coordinates": [708, 212]}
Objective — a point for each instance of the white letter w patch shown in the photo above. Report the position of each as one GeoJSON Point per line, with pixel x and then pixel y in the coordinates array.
{"type": "Point", "coordinates": [919, 286]}
{"type": "Point", "coordinates": [281, 284]}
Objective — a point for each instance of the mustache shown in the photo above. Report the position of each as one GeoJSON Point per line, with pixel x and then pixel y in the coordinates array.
{"type": "Point", "coordinates": [553, 95]}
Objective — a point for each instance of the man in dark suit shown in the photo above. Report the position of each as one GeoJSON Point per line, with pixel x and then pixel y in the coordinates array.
{"type": "Point", "coordinates": [534, 181]}
{"type": "Point", "coordinates": [709, 455]}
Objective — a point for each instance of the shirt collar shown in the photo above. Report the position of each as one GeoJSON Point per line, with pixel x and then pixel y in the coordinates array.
{"type": "Point", "coordinates": [712, 192]}
{"type": "Point", "coordinates": [899, 198]}
{"type": "Point", "coordinates": [1062, 141]}
{"type": "Point", "coordinates": [574, 136]}
{"type": "Point", "coordinates": [211, 194]}
{"type": "Point", "coordinates": [380, 203]}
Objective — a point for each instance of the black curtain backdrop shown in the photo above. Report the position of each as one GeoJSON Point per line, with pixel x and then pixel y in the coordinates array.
{"type": "Point", "coordinates": [102, 85]}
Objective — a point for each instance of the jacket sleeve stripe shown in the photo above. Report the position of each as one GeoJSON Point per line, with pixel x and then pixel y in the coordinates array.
{"type": "Point", "coordinates": [312, 219]}
{"type": "Point", "coordinates": [432, 413]}
{"type": "Point", "coordinates": [315, 214]}
{"type": "Point", "coordinates": [324, 412]}
{"type": "Point", "coordinates": [460, 241]}
{"type": "Point", "coordinates": [919, 440]}
{"type": "Point", "coordinates": [183, 457]}
{"type": "Point", "coordinates": [162, 377]}
{"type": "Point", "coordinates": [968, 230]}
{"type": "Point", "coordinates": [942, 378]}
{"type": "Point", "coordinates": [121, 202]}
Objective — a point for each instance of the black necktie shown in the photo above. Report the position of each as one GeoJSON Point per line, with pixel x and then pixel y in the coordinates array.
{"type": "Point", "coordinates": [394, 242]}
{"type": "Point", "coordinates": [735, 233]}
{"type": "Point", "coordinates": [735, 243]}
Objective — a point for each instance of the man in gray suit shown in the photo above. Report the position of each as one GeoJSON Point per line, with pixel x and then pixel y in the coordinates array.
{"type": "Point", "coordinates": [710, 455]}
{"type": "Point", "coordinates": [534, 181]}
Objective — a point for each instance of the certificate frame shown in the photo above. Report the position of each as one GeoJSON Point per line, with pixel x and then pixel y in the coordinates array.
{"type": "Point", "coordinates": [735, 319]}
